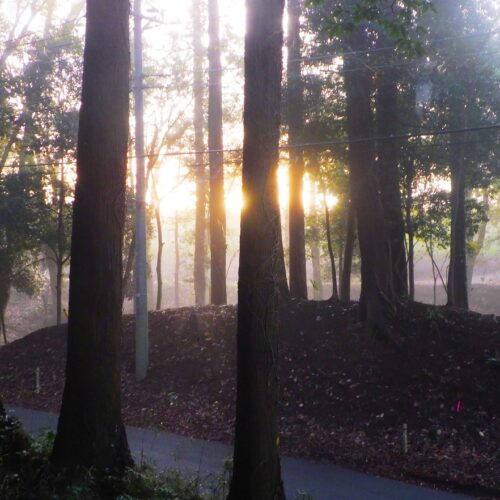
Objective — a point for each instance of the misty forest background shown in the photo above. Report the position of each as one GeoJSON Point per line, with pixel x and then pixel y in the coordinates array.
{"type": "Point", "coordinates": [440, 74]}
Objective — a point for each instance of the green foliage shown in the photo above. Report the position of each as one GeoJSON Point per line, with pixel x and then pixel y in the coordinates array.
{"type": "Point", "coordinates": [25, 472]}
{"type": "Point", "coordinates": [143, 483]}
{"type": "Point", "coordinates": [398, 20]}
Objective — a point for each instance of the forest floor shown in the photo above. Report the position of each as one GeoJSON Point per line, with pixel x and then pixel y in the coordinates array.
{"type": "Point", "coordinates": [345, 395]}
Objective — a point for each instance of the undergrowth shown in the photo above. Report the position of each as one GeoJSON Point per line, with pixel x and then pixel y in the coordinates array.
{"type": "Point", "coordinates": [26, 473]}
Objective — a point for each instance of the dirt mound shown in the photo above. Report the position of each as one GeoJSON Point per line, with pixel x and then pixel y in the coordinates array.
{"type": "Point", "coordinates": [346, 396]}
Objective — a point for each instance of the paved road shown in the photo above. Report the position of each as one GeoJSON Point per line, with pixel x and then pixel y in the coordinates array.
{"type": "Point", "coordinates": [320, 481]}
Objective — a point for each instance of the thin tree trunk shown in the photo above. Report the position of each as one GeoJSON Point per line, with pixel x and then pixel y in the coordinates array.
{"type": "Point", "coordinates": [457, 276]}
{"type": "Point", "coordinates": [295, 115]}
{"type": "Point", "coordinates": [60, 247]}
{"type": "Point", "coordinates": [315, 249]}
{"type": "Point", "coordinates": [389, 154]}
{"type": "Point", "coordinates": [257, 470]}
{"type": "Point", "coordinates": [335, 292]}
{"type": "Point", "coordinates": [159, 231]}
{"type": "Point", "coordinates": [218, 294]}
{"type": "Point", "coordinates": [200, 282]}
{"type": "Point", "coordinates": [90, 431]}
{"type": "Point", "coordinates": [59, 281]}
{"type": "Point", "coordinates": [177, 260]}
{"type": "Point", "coordinates": [474, 249]}
{"type": "Point", "coordinates": [377, 295]}
{"type": "Point", "coordinates": [127, 275]}
{"type": "Point", "coordinates": [410, 175]}
{"type": "Point", "coordinates": [350, 239]}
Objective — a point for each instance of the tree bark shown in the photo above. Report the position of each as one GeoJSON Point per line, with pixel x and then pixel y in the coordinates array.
{"type": "Point", "coordinates": [200, 282]}
{"type": "Point", "coordinates": [457, 275]}
{"type": "Point", "coordinates": [389, 154]}
{"type": "Point", "coordinates": [256, 474]}
{"type": "Point", "coordinates": [159, 231]}
{"type": "Point", "coordinates": [127, 275]}
{"type": "Point", "coordinates": [315, 249]}
{"type": "Point", "coordinates": [410, 174]}
{"type": "Point", "coordinates": [90, 431]}
{"type": "Point", "coordinates": [350, 239]}
{"type": "Point", "coordinates": [60, 247]}
{"type": "Point", "coordinates": [335, 290]}
{"type": "Point", "coordinates": [218, 294]}
{"type": "Point", "coordinates": [295, 115]}
{"type": "Point", "coordinates": [377, 297]}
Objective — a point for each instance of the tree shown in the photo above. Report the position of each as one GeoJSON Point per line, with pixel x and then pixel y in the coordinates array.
{"type": "Point", "coordinates": [200, 170]}
{"type": "Point", "coordinates": [377, 294]}
{"type": "Point", "coordinates": [256, 473]}
{"type": "Point", "coordinates": [218, 293]}
{"type": "Point", "coordinates": [295, 115]}
{"type": "Point", "coordinates": [90, 431]}
{"type": "Point", "coordinates": [21, 195]}
{"type": "Point", "coordinates": [389, 156]}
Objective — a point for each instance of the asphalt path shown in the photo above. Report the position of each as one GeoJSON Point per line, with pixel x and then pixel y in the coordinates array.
{"type": "Point", "coordinates": [203, 459]}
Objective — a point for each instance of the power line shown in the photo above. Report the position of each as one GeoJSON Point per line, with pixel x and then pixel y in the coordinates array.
{"type": "Point", "coordinates": [381, 49]}
{"type": "Point", "coordinates": [345, 142]}
{"type": "Point", "coordinates": [306, 145]}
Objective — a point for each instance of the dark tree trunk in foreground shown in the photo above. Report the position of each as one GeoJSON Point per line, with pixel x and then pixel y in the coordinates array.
{"type": "Point", "coordinates": [257, 471]}
{"type": "Point", "coordinates": [295, 114]}
{"type": "Point", "coordinates": [389, 154]}
{"type": "Point", "coordinates": [377, 297]}
{"type": "Point", "coordinates": [200, 281]}
{"type": "Point", "coordinates": [218, 293]}
{"type": "Point", "coordinates": [457, 276]}
{"type": "Point", "coordinates": [90, 431]}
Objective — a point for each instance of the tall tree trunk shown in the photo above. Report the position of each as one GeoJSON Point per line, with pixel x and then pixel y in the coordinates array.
{"type": "Point", "coordinates": [200, 282]}
{"type": "Point", "coordinates": [159, 256]}
{"type": "Point", "coordinates": [410, 175]}
{"type": "Point", "coordinates": [60, 246]}
{"type": "Point", "coordinates": [90, 431]}
{"type": "Point", "coordinates": [256, 474]}
{"type": "Point", "coordinates": [295, 115]}
{"type": "Point", "coordinates": [141, 269]}
{"type": "Point", "coordinates": [377, 296]}
{"type": "Point", "coordinates": [315, 249]}
{"type": "Point", "coordinates": [50, 259]}
{"type": "Point", "coordinates": [350, 239]}
{"type": "Point", "coordinates": [457, 276]}
{"type": "Point", "coordinates": [129, 265]}
{"type": "Point", "coordinates": [335, 291]}
{"type": "Point", "coordinates": [218, 294]}
{"type": "Point", "coordinates": [389, 154]}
